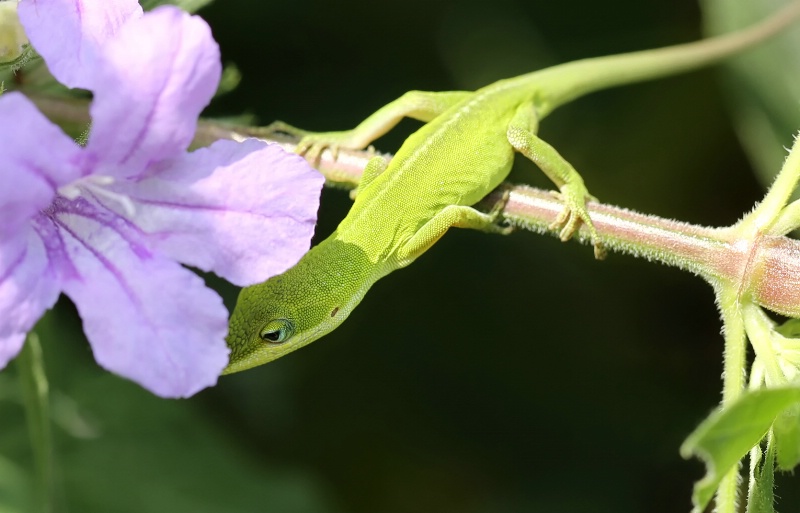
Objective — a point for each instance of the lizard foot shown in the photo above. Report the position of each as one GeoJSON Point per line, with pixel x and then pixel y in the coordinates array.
{"type": "Point", "coordinates": [574, 197]}
{"type": "Point", "coordinates": [311, 145]}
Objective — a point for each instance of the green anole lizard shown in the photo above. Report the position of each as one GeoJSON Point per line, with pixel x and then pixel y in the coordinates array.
{"type": "Point", "coordinates": [464, 151]}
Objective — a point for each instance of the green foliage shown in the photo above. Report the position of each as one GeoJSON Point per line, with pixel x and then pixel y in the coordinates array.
{"type": "Point", "coordinates": [760, 83]}
{"type": "Point", "coordinates": [726, 435]}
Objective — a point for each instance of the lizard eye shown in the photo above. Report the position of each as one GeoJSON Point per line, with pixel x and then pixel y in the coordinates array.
{"type": "Point", "coordinates": [277, 331]}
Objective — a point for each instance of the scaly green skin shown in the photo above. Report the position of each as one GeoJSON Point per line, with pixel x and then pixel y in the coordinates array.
{"type": "Point", "coordinates": [464, 151]}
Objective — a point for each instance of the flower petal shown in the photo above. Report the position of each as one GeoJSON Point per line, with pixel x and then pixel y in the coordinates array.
{"type": "Point", "coordinates": [28, 287]}
{"type": "Point", "coordinates": [70, 33]}
{"type": "Point", "coordinates": [156, 76]}
{"type": "Point", "coordinates": [30, 176]}
{"type": "Point", "coordinates": [245, 211]}
{"type": "Point", "coordinates": [146, 317]}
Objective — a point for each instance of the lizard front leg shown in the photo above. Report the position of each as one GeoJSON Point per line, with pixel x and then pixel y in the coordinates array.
{"type": "Point", "coordinates": [573, 193]}
{"type": "Point", "coordinates": [458, 216]}
{"type": "Point", "coordinates": [421, 105]}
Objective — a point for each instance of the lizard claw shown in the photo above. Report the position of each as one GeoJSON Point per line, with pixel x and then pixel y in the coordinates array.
{"type": "Point", "coordinates": [574, 197]}
{"type": "Point", "coordinates": [496, 212]}
{"type": "Point", "coordinates": [312, 145]}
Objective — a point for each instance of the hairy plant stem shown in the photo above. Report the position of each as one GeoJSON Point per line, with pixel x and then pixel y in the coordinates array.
{"type": "Point", "coordinates": [733, 382]}
{"type": "Point", "coordinates": [37, 411]}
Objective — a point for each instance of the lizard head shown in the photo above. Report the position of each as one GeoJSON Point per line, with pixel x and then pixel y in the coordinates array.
{"type": "Point", "coordinates": [297, 307]}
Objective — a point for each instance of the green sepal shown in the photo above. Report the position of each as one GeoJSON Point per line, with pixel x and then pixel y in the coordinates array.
{"type": "Point", "coordinates": [726, 435]}
{"type": "Point", "coordinates": [761, 497]}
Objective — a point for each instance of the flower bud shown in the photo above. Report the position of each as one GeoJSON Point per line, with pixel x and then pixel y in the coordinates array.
{"type": "Point", "coordinates": [774, 278]}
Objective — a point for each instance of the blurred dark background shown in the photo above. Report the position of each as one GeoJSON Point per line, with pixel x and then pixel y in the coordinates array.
{"type": "Point", "coordinates": [496, 374]}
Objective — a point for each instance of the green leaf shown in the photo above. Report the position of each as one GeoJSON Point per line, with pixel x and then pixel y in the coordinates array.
{"type": "Point", "coordinates": [726, 435]}
{"type": "Point", "coordinates": [763, 84]}
{"type": "Point", "coordinates": [186, 5]}
{"type": "Point", "coordinates": [761, 497]}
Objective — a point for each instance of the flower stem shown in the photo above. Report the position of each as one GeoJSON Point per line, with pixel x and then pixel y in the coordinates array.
{"type": "Point", "coordinates": [733, 384]}
{"type": "Point", "coordinates": [35, 398]}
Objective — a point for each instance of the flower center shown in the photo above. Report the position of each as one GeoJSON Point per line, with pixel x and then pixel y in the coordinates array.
{"type": "Point", "coordinates": [97, 186]}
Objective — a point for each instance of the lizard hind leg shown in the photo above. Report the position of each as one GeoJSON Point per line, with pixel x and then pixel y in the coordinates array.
{"type": "Point", "coordinates": [572, 191]}
{"type": "Point", "coordinates": [421, 105]}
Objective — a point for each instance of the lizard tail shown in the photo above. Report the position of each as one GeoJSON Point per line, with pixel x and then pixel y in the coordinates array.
{"type": "Point", "coordinates": [588, 75]}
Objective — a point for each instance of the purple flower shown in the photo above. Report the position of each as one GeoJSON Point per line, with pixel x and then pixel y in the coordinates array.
{"type": "Point", "coordinates": [108, 223]}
